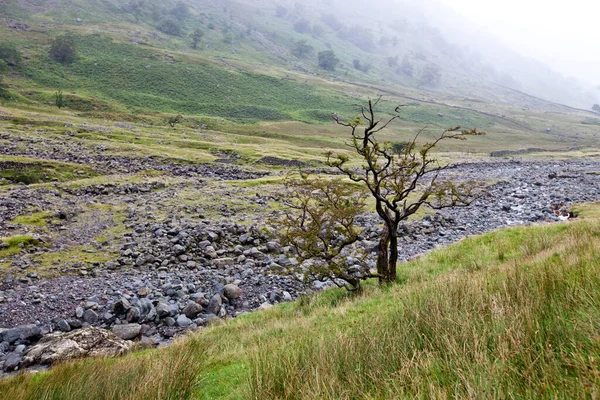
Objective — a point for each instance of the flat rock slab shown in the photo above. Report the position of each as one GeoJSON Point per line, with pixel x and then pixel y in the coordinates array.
{"type": "Point", "coordinates": [89, 342]}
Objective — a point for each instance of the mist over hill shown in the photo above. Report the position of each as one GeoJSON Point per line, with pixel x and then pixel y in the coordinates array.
{"type": "Point", "coordinates": [399, 44]}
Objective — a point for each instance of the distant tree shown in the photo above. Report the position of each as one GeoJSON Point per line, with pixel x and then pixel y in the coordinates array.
{"type": "Point", "coordinates": [10, 54]}
{"type": "Point", "coordinates": [596, 108]}
{"type": "Point", "coordinates": [172, 121]}
{"type": "Point", "coordinates": [281, 12]}
{"type": "Point", "coordinates": [430, 75]}
{"type": "Point", "coordinates": [392, 61]}
{"type": "Point", "coordinates": [328, 60]}
{"type": "Point", "coordinates": [395, 41]}
{"type": "Point", "coordinates": [59, 99]}
{"type": "Point", "coordinates": [406, 67]}
{"type": "Point", "coordinates": [196, 36]}
{"type": "Point", "coordinates": [302, 49]}
{"type": "Point", "coordinates": [170, 27]}
{"type": "Point", "coordinates": [302, 26]}
{"type": "Point", "coordinates": [360, 66]}
{"type": "Point", "coordinates": [64, 49]}
{"type": "Point", "coordinates": [180, 11]}
{"type": "Point", "coordinates": [399, 147]}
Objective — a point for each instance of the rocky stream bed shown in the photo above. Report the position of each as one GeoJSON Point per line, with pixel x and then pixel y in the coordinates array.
{"type": "Point", "coordinates": [187, 270]}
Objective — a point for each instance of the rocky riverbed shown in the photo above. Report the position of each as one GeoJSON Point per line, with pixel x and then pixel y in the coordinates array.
{"type": "Point", "coordinates": [153, 258]}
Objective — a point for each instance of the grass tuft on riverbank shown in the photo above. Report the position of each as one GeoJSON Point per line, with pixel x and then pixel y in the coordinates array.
{"type": "Point", "coordinates": [510, 314]}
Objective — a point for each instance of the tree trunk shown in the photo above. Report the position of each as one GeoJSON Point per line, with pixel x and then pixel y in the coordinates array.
{"type": "Point", "coordinates": [393, 257]}
{"type": "Point", "coordinates": [382, 256]}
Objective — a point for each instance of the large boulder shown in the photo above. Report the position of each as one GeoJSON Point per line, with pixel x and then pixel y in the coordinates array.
{"type": "Point", "coordinates": [127, 331]}
{"type": "Point", "coordinates": [231, 291]}
{"type": "Point", "coordinates": [192, 309]}
{"type": "Point", "coordinates": [89, 342]}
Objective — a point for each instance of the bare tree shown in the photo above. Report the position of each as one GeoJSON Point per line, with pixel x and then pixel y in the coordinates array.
{"type": "Point", "coordinates": [400, 183]}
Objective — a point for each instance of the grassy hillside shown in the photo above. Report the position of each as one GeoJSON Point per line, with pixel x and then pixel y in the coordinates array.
{"type": "Point", "coordinates": [244, 70]}
{"type": "Point", "coordinates": [511, 314]}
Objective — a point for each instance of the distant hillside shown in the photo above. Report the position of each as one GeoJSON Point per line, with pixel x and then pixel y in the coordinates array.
{"type": "Point", "coordinates": [255, 60]}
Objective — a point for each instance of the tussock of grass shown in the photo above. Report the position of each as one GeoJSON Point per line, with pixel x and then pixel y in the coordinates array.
{"type": "Point", "coordinates": [511, 314]}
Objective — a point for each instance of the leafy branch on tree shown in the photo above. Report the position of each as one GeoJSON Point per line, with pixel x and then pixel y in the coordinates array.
{"type": "Point", "coordinates": [320, 224]}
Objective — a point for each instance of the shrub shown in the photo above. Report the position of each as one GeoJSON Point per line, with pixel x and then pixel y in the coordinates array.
{"type": "Point", "coordinates": [64, 49]}
{"type": "Point", "coordinates": [328, 60]}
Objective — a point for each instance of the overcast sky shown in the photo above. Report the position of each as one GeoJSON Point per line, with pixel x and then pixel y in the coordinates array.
{"type": "Point", "coordinates": [565, 35]}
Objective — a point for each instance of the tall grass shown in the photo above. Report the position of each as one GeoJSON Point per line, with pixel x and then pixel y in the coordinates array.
{"type": "Point", "coordinates": [526, 329]}
{"type": "Point", "coordinates": [170, 375]}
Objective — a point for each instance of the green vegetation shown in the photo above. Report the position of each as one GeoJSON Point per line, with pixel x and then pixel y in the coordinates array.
{"type": "Point", "coordinates": [13, 245]}
{"type": "Point", "coordinates": [328, 60]}
{"type": "Point", "coordinates": [511, 314]}
{"type": "Point", "coordinates": [37, 219]}
{"type": "Point", "coordinates": [64, 49]}
{"type": "Point", "coordinates": [29, 171]}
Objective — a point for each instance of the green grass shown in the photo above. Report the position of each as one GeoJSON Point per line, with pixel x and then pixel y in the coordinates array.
{"type": "Point", "coordinates": [15, 244]}
{"type": "Point", "coordinates": [25, 170]}
{"type": "Point", "coordinates": [511, 314]}
{"type": "Point", "coordinates": [37, 219]}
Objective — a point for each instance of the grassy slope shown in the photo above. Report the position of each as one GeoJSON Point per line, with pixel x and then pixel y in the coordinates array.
{"type": "Point", "coordinates": [253, 79]}
{"type": "Point", "coordinates": [511, 314]}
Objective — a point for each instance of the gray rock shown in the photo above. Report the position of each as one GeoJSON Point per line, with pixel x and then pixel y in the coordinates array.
{"type": "Point", "coordinates": [121, 306]}
{"type": "Point", "coordinates": [183, 321]}
{"type": "Point", "coordinates": [232, 291]}
{"type": "Point", "coordinates": [90, 316]}
{"type": "Point", "coordinates": [63, 326]}
{"type": "Point", "coordinates": [214, 305]}
{"type": "Point", "coordinates": [79, 311]}
{"type": "Point", "coordinates": [192, 309]}
{"type": "Point", "coordinates": [127, 331]}
{"type": "Point", "coordinates": [13, 361]}
{"type": "Point", "coordinates": [89, 342]}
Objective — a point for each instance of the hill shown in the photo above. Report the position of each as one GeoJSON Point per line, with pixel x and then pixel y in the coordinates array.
{"type": "Point", "coordinates": [257, 62]}
{"type": "Point", "coordinates": [509, 314]}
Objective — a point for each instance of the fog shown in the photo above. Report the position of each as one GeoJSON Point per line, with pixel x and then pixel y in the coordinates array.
{"type": "Point", "coordinates": [563, 35]}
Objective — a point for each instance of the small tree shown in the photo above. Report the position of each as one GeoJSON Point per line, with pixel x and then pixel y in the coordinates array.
{"type": "Point", "coordinates": [10, 54]}
{"type": "Point", "coordinates": [302, 49]}
{"type": "Point", "coordinates": [596, 108]}
{"type": "Point", "coordinates": [363, 67]}
{"type": "Point", "coordinates": [196, 36]}
{"type": "Point", "coordinates": [401, 183]}
{"type": "Point", "coordinates": [59, 99]}
{"type": "Point", "coordinates": [392, 61]}
{"type": "Point", "coordinates": [172, 121]}
{"type": "Point", "coordinates": [64, 49]}
{"type": "Point", "coordinates": [170, 27]}
{"type": "Point", "coordinates": [400, 180]}
{"type": "Point", "coordinates": [319, 223]}
{"type": "Point", "coordinates": [406, 67]}
{"type": "Point", "coordinates": [302, 26]}
{"type": "Point", "coordinates": [430, 75]}
{"type": "Point", "coordinates": [328, 60]}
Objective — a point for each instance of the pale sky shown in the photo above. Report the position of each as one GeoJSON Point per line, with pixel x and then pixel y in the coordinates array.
{"type": "Point", "coordinates": [565, 35]}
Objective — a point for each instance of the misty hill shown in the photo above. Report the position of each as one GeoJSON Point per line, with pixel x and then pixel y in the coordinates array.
{"type": "Point", "coordinates": [258, 60]}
